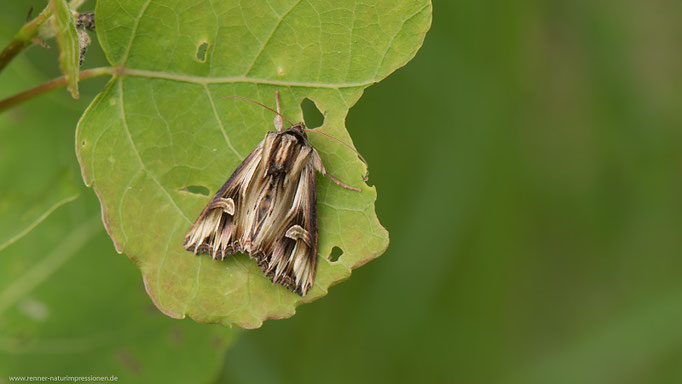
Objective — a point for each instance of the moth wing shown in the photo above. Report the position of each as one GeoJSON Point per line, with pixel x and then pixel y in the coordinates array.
{"type": "Point", "coordinates": [291, 258]}
{"type": "Point", "coordinates": [215, 229]}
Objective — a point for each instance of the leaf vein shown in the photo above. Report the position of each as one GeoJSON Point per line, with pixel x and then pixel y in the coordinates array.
{"type": "Point", "coordinates": [220, 123]}
{"type": "Point", "coordinates": [350, 40]}
{"type": "Point", "coordinates": [120, 205]}
{"type": "Point", "coordinates": [390, 43]}
{"type": "Point", "coordinates": [236, 79]}
{"type": "Point", "coordinates": [134, 31]}
{"type": "Point", "coordinates": [272, 33]}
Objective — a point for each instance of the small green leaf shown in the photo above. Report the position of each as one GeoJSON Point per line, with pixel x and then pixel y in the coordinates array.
{"type": "Point", "coordinates": [69, 45]}
{"type": "Point", "coordinates": [160, 129]}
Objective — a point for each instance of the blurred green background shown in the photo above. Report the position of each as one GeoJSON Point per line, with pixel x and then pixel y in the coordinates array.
{"type": "Point", "coordinates": [529, 172]}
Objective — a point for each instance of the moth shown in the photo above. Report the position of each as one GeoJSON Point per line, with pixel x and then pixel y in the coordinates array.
{"type": "Point", "coordinates": [84, 21]}
{"type": "Point", "coordinates": [268, 207]}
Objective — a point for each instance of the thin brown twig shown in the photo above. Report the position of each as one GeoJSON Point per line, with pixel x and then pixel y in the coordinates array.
{"type": "Point", "coordinates": [50, 85]}
{"type": "Point", "coordinates": [23, 38]}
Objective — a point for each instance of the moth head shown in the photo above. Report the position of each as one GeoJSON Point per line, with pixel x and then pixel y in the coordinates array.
{"type": "Point", "coordinates": [299, 128]}
{"type": "Point", "coordinates": [298, 133]}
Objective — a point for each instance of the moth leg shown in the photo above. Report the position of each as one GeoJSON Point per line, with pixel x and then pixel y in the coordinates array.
{"type": "Point", "coordinates": [279, 124]}
{"type": "Point", "coordinates": [319, 166]}
{"type": "Point", "coordinates": [341, 183]}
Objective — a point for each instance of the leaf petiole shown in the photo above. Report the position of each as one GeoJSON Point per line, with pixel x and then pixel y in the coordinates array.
{"type": "Point", "coordinates": [50, 85]}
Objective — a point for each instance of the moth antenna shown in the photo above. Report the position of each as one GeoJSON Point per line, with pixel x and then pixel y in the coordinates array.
{"type": "Point", "coordinates": [278, 119]}
{"type": "Point", "coordinates": [366, 176]}
{"type": "Point", "coordinates": [262, 105]}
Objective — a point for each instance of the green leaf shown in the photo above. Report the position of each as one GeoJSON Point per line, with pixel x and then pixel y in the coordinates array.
{"type": "Point", "coordinates": [36, 171]}
{"type": "Point", "coordinates": [69, 45]}
{"type": "Point", "coordinates": [69, 306]}
{"type": "Point", "coordinates": [161, 127]}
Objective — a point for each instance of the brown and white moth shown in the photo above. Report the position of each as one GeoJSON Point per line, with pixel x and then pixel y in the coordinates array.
{"type": "Point", "coordinates": [268, 208]}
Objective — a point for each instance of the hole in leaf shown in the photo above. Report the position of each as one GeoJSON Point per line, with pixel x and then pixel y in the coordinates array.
{"type": "Point", "coordinates": [201, 52]}
{"type": "Point", "coordinates": [336, 253]}
{"type": "Point", "coordinates": [83, 143]}
{"type": "Point", "coordinates": [196, 189]}
{"type": "Point", "coordinates": [311, 115]}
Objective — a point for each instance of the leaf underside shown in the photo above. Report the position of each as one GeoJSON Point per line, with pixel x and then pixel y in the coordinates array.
{"type": "Point", "coordinates": [161, 128]}
{"type": "Point", "coordinates": [69, 46]}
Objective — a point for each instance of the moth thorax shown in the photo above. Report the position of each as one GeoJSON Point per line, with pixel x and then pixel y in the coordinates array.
{"type": "Point", "coordinates": [284, 153]}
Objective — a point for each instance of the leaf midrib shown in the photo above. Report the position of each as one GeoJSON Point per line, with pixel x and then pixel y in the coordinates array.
{"type": "Point", "coordinates": [204, 80]}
